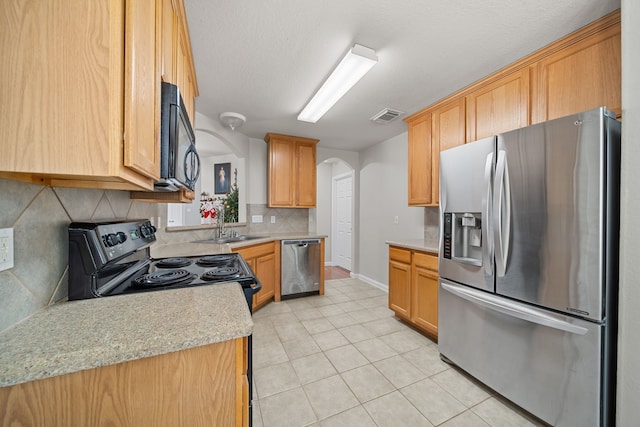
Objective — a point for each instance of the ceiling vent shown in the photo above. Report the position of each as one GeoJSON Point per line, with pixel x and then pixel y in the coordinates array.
{"type": "Point", "coordinates": [387, 115]}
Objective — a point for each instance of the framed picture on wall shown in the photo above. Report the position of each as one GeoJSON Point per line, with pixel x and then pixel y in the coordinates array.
{"type": "Point", "coordinates": [222, 177]}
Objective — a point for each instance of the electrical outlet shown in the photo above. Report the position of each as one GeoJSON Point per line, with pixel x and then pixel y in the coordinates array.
{"type": "Point", "coordinates": [256, 219]}
{"type": "Point", "coordinates": [273, 219]}
{"type": "Point", "coordinates": [395, 219]}
{"type": "Point", "coordinates": [6, 248]}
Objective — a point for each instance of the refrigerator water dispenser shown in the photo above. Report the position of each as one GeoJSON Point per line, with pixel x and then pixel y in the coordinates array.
{"type": "Point", "coordinates": [463, 237]}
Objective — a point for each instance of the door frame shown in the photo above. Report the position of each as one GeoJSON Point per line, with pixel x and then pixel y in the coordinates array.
{"type": "Point", "coordinates": [334, 216]}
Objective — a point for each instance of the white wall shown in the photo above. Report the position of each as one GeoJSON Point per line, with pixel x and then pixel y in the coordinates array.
{"type": "Point", "coordinates": [383, 196]}
{"type": "Point", "coordinates": [628, 410]}
{"type": "Point", "coordinates": [321, 215]}
{"type": "Point", "coordinates": [257, 172]}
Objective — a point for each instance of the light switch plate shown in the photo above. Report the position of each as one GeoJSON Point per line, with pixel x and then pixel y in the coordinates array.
{"type": "Point", "coordinates": [6, 248]}
{"type": "Point", "coordinates": [256, 219]}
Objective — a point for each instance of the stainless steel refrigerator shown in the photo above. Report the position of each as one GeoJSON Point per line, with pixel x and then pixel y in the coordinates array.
{"type": "Point", "coordinates": [529, 265]}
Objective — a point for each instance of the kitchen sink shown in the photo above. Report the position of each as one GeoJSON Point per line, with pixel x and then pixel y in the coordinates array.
{"type": "Point", "coordinates": [222, 240]}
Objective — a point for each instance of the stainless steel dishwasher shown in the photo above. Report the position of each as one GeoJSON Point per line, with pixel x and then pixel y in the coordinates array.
{"type": "Point", "coordinates": [300, 268]}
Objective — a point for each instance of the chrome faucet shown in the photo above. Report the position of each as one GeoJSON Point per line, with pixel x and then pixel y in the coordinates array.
{"type": "Point", "coordinates": [221, 230]}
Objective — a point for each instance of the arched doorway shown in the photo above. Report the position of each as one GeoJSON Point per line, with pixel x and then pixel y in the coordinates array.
{"type": "Point", "coordinates": [335, 211]}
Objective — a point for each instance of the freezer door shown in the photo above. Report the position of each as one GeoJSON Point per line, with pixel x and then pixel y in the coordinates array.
{"type": "Point", "coordinates": [466, 249]}
{"type": "Point", "coordinates": [547, 363]}
{"type": "Point", "coordinates": [550, 213]}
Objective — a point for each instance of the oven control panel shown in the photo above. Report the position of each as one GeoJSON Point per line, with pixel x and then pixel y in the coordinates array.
{"type": "Point", "coordinates": [121, 238]}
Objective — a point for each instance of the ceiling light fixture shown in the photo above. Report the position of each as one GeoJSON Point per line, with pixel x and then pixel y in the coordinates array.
{"type": "Point", "coordinates": [232, 120]}
{"type": "Point", "coordinates": [349, 71]}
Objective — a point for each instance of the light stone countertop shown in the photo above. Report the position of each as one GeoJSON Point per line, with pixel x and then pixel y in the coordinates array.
{"type": "Point", "coordinates": [416, 244]}
{"type": "Point", "coordinates": [78, 335]}
{"type": "Point", "coordinates": [203, 248]}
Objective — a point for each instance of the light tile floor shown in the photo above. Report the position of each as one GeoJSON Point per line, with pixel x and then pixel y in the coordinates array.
{"type": "Point", "coordinates": [343, 359]}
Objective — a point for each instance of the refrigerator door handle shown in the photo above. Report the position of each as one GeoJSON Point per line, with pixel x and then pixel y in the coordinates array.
{"type": "Point", "coordinates": [487, 247]}
{"type": "Point", "coordinates": [513, 309]}
{"type": "Point", "coordinates": [502, 213]}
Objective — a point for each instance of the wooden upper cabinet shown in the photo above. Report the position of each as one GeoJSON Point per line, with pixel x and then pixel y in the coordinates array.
{"type": "Point", "coordinates": [582, 76]}
{"type": "Point", "coordinates": [291, 169]}
{"type": "Point", "coordinates": [448, 131]}
{"type": "Point", "coordinates": [499, 106]}
{"type": "Point", "coordinates": [576, 73]}
{"type": "Point", "coordinates": [84, 97]}
{"type": "Point", "coordinates": [142, 89]}
{"type": "Point", "coordinates": [169, 40]}
{"type": "Point", "coordinates": [177, 60]}
{"type": "Point", "coordinates": [420, 162]}
{"type": "Point", "coordinates": [306, 174]}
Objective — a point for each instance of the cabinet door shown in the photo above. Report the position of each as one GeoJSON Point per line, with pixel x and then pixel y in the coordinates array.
{"type": "Point", "coordinates": [169, 37]}
{"type": "Point", "coordinates": [186, 79]}
{"type": "Point", "coordinates": [448, 130]}
{"type": "Point", "coordinates": [424, 292]}
{"type": "Point", "coordinates": [141, 94]}
{"type": "Point", "coordinates": [499, 107]}
{"type": "Point", "coordinates": [265, 269]}
{"type": "Point", "coordinates": [305, 175]}
{"type": "Point", "coordinates": [420, 162]}
{"type": "Point", "coordinates": [583, 76]}
{"type": "Point", "coordinates": [281, 169]}
{"type": "Point", "coordinates": [400, 282]}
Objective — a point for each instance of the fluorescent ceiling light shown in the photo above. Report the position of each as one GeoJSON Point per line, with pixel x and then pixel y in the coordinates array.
{"type": "Point", "coordinates": [349, 71]}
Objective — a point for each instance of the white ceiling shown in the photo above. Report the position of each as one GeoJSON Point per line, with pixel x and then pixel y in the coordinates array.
{"type": "Point", "coordinates": [265, 59]}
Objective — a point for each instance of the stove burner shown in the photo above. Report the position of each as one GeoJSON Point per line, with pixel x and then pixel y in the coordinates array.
{"type": "Point", "coordinates": [173, 262]}
{"type": "Point", "coordinates": [220, 273]}
{"type": "Point", "coordinates": [215, 260]}
{"type": "Point", "coordinates": [164, 278]}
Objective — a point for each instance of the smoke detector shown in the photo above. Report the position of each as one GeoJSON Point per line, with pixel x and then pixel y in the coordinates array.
{"type": "Point", "coordinates": [232, 120]}
{"type": "Point", "coordinates": [387, 115]}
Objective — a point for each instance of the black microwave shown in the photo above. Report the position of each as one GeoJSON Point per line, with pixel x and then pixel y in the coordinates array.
{"type": "Point", "coordinates": [179, 160]}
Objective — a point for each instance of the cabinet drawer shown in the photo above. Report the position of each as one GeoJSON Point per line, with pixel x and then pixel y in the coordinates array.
{"type": "Point", "coordinates": [249, 252]}
{"type": "Point", "coordinates": [427, 261]}
{"type": "Point", "coordinates": [400, 255]}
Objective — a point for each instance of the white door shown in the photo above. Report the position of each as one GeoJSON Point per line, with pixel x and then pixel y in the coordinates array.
{"type": "Point", "coordinates": [343, 198]}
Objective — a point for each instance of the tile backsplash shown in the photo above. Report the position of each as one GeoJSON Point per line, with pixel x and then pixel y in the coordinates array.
{"type": "Point", "coordinates": [40, 216]}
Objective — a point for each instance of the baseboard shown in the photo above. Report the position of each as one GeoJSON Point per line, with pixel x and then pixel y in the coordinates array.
{"type": "Point", "coordinates": [371, 282]}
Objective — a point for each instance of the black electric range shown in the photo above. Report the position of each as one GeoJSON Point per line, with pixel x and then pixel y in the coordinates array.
{"type": "Point", "coordinates": [112, 258]}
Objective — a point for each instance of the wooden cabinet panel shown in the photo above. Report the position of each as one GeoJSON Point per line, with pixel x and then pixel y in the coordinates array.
{"type": "Point", "coordinates": [306, 181]}
{"type": "Point", "coordinates": [281, 171]}
{"type": "Point", "coordinates": [291, 169]}
{"type": "Point", "coordinates": [192, 387]}
{"type": "Point", "coordinates": [583, 76]}
{"type": "Point", "coordinates": [424, 292]}
{"type": "Point", "coordinates": [420, 163]}
{"type": "Point", "coordinates": [264, 260]}
{"type": "Point", "coordinates": [499, 107]}
{"type": "Point", "coordinates": [169, 37]}
{"type": "Point", "coordinates": [400, 288]}
{"type": "Point", "coordinates": [448, 131]}
{"type": "Point", "coordinates": [141, 95]}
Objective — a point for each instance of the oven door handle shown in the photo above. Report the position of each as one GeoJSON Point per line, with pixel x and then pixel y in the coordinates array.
{"type": "Point", "coordinates": [257, 286]}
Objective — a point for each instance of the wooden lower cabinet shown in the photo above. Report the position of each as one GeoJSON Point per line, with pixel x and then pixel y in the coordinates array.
{"type": "Point", "coordinates": [200, 386]}
{"type": "Point", "coordinates": [264, 260]}
{"type": "Point", "coordinates": [400, 282]}
{"type": "Point", "coordinates": [424, 291]}
{"type": "Point", "coordinates": [413, 288]}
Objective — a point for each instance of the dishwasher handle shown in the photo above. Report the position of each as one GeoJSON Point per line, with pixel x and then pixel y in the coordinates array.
{"type": "Point", "coordinates": [301, 243]}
